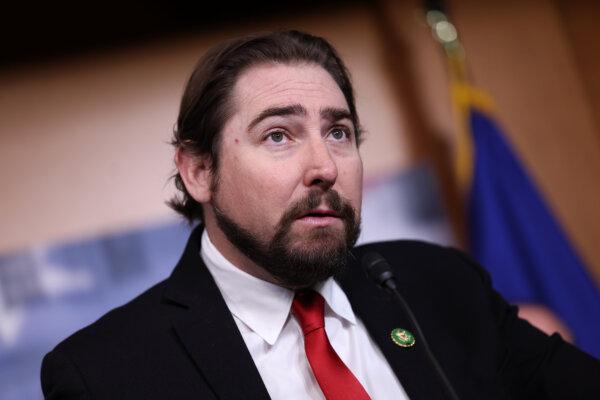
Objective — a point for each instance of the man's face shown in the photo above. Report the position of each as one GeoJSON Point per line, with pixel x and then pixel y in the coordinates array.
{"type": "Point", "coordinates": [289, 181]}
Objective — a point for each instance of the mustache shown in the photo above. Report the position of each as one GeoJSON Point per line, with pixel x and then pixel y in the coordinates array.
{"type": "Point", "coordinates": [312, 200]}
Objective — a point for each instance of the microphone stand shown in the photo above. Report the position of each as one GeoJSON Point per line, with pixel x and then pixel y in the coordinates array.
{"type": "Point", "coordinates": [380, 271]}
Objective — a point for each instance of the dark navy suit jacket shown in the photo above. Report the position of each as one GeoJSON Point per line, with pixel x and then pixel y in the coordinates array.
{"type": "Point", "coordinates": [178, 340]}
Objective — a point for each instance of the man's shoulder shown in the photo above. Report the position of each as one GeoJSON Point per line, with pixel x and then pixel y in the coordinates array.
{"type": "Point", "coordinates": [405, 246]}
{"type": "Point", "coordinates": [415, 251]}
{"type": "Point", "coordinates": [425, 259]}
{"type": "Point", "coordinates": [122, 325]}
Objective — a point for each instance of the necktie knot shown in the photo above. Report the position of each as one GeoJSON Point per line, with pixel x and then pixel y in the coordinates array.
{"type": "Point", "coordinates": [309, 308]}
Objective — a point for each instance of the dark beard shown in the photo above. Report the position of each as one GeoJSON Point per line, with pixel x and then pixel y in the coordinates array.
{"type": "Point", "coordinates": [321, 255]}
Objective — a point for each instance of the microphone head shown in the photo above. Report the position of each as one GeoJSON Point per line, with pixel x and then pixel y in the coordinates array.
{"type": "Point", "coordinates": [378, 269]}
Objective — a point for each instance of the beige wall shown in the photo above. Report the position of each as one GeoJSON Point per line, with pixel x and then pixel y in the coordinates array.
{"type": "Point", "coordinates": [580, 23]}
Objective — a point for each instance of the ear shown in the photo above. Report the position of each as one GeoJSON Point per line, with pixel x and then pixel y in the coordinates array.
{"type": "Point", "coordinates": [196, 174]}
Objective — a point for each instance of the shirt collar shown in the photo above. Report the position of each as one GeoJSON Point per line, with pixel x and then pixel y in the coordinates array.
{"type": "Point", "coordinates": [263, 306]}
{"type": "Point", "coordinates": [336, 299]}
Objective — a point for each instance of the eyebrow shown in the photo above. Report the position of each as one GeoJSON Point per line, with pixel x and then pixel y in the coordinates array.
{"type": "Point", "coordinates": [294, 109]}
{"type": "Point", "coordinates": [333, 114]}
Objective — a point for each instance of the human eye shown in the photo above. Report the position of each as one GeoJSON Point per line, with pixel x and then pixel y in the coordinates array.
{"type": "Point", "coordinates": [340, 134]}
{"type": "Point", "coordinates": [276, 137]}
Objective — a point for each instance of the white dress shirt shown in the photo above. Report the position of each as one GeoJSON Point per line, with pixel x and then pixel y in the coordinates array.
{"type": "Point", "coordinates": [274, 338]}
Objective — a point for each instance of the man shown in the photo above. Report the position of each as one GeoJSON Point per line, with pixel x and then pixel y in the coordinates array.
{"type": "Point", "coordinates": [269, 298]}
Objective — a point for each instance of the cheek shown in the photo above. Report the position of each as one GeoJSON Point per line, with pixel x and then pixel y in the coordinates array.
{"type": "Point", "coordinates": [351, 178]}
{"type": "Point", "coordinates": [261, 190]}
{"type": "Point", "coordinates": [269, 180]}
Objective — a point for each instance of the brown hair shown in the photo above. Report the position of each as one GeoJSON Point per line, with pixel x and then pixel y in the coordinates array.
{"type": "Point", "coordinates": [206, 106]}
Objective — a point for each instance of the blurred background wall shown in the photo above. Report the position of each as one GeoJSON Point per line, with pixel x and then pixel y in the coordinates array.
{"type": "Point", "coordinates": [89, 98]}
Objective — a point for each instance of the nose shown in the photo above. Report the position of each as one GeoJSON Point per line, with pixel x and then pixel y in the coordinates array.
{"type": "Point", "coordinates": [321, 169]}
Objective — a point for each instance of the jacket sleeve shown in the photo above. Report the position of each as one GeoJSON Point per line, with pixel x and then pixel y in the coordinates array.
{"type": "Point", "coordinates": [61, 379]}
{"type": "Point", "coordinates": [538, 366]}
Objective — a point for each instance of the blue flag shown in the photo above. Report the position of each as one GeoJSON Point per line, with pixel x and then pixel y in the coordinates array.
{"type": "Point", "coordinates": [514, 234]}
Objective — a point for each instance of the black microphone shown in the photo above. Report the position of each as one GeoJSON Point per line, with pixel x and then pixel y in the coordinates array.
{"type": "Point", "coordinates": [380, 272]}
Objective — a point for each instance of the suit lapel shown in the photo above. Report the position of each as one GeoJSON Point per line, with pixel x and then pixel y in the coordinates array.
{"type": "Point", "coordinates": [380, 313]}
{"type": "Point", "coordinates": [207, 330]}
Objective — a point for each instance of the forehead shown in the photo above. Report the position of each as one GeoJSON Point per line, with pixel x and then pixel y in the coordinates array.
{"type": "Point", "coordinates": [275, 84]}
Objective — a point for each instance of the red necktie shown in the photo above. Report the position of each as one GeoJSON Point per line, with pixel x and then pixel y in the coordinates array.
{"type": "Point", "coordinates": [335, 379]}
